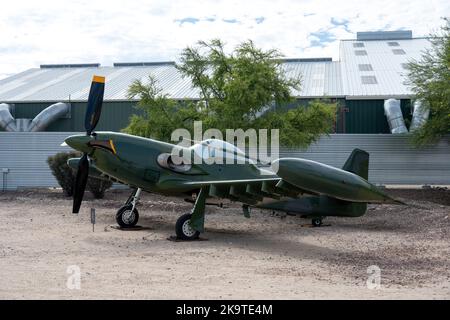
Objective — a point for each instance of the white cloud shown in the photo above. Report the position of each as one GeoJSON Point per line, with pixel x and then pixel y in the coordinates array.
{"type": "Point", "coordinates": [49, 31]}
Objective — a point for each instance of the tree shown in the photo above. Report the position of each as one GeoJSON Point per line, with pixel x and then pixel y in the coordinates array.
{"type": "Point", "coordinates": [429, 78]}
{"type": "Point", "coordinates": [244, 89]}
{"type": "Point", "coordinates": [159, 115]}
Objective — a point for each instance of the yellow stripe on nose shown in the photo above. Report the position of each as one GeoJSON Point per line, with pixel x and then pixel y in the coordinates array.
{"type": "Point", "coordinates": [111, 143]}
{"type": "Point", "coordinates": [98, 79]}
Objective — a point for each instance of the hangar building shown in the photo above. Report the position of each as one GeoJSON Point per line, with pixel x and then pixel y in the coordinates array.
{"type": "Point", "coordinates": [370, 69]}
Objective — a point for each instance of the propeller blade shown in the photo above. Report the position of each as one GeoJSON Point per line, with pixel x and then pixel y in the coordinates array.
{"type": "Point", "coordinates": [80, 183]}
{"type": "Point", "coordinates": [94, 104]}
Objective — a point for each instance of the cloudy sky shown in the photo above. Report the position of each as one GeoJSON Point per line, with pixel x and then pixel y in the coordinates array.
{"type": "Point", "coordinates": [82, 31]}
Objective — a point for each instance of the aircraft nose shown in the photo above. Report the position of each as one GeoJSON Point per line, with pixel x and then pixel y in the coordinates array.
{"type": "Point", "coordinates": [79, 142]}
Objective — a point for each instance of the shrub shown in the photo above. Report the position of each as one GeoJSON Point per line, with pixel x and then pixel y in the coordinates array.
{"type": "Point", "coordinates": [66, 176]}
{"type": "Point", "coordinates": [62, 172]}
{"type": "Point", "coordinates": [98, 187]}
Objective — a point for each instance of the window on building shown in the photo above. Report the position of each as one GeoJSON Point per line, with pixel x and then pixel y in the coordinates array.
{"type": "Point", "coordinates": [365, 67]}
{"type": "Point", "coordinates": [398, 51]}
{"type": "Point", "coordinates": [358, 45]}
{"type": "Point", "coordinates": [393, 44]}
{"type": "Point", "coordinates": [405, 66]}
{"type": "Point", "coordinates": [360, 53]}
{"type": "Point", "coordinates": [369, 80]}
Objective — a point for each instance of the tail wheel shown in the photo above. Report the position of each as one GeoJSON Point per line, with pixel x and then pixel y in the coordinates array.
{"type": "Point", "coordinates": [316, 222]}
{"type": "Point", "coordinates": [183, 228]}
{"type": "Point", "coordinates": [126, 217]}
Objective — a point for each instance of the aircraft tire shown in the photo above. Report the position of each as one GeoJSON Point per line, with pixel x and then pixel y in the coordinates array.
{"type": "Point", "coordinates": [316, 222]}
{"type": "Point", "coordinates": [126, 219]}
{"type": "Point", "coordinates": [183, 230]}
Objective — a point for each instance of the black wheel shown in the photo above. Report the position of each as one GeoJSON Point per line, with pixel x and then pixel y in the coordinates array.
{"type": "Point", "coordinates": [316, 222]}
{"type": "Point", "coordinates": [183, 228]}
{"type": "Point", "coordinates": [125, 218]}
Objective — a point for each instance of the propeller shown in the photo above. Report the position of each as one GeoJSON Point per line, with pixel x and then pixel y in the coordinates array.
{"type": "Point", "coordinates": [94, 105]}
{"type": "Point", "coordinates": [93, 111]}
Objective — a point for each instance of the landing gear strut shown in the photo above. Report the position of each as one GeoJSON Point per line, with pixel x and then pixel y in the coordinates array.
{"type": "Point", "coordinates": [127, 216]}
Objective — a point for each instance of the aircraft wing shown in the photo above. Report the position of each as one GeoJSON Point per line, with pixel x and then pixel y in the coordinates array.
{"type": "Point", "coordinates": [250, 190]}
{"type": "Point", "coordinates": [229, 182]}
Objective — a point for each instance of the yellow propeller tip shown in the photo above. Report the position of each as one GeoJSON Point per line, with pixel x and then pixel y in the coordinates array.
{"type": "Point", "coordinates": [98, 79]}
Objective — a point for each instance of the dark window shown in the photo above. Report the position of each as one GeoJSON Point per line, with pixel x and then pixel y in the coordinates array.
{"type": "Point", "coordinates": [358, 45]}
{"type": "Point", "coordinates": [369, 80]}
{"type": "Point", "coordinates": [393, 44]}
{"type": "Point", "coordinates": [360, 53]}
{"type": "Point", "coordinates": [365, 67]}
{"type": "Point", "coordinates": [398, 51]}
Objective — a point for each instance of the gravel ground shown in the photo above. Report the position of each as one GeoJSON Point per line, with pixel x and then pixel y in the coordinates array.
{"type": "Point", "coordinates": [265, 257]}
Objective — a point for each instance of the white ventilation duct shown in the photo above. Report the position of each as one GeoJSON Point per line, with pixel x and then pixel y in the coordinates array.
{"type": "Point", "coordinates": [39, 123]}
{"type": "Point", "coordinates": [48, 115]}
{"type": "Point", "coordinates": [420, 115]}
{"type": "Point", "coordinates": [394, 116]}
{"type": "Point", "coordinates": [7, 122]}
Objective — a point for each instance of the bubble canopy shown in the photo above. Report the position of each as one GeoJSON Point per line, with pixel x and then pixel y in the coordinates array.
{"type": "Point", "coordinates": [215, 148]}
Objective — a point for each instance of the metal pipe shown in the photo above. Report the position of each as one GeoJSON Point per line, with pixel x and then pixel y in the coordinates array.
{"type": "Point", "coordinates": [48, 115]}
{"type": "Point", "coordinates": [394, 116]}
{"type": "Point", "coordinates": [420, 115]}
{"type": "Point", "coordinates": [7, 122]}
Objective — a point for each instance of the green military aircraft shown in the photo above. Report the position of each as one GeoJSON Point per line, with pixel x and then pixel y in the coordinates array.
{"type": "Point", "coordinates": [307, 188]}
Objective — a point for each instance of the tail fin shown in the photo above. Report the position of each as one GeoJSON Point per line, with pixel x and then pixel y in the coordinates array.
{"type": "Point", "coordinates": [358, 163]}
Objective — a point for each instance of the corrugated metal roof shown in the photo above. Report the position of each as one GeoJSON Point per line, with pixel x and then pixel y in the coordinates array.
{"type": "Point", "coordinates": [386, 67]}
{"type": "Point", "coordinates": [320, 77]}
{"type": "Point", "coordinates": [62, 84]}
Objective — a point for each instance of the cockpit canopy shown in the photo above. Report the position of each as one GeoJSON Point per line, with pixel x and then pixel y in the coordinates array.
{"type": "Point", "coordinates": [215, 148]}
{"type": "Point", "coordinates": [209, 151]}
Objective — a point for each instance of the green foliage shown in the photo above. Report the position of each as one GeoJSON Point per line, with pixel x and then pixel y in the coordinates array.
{"type": "Point", "coordinates": [66, 176]}
{"type": "Point", "coordinates": [161, 115]}
{"type": "Point", "coordinates": [62, 172]}
{"type": "Point", "coordinates": [98, 187]}
{"type": "Point", "coordinates": [429, 78]}
{"type": "Point", "coordinates": [244, 89]}
{"type": "Point", "coordinates": [301, 126]}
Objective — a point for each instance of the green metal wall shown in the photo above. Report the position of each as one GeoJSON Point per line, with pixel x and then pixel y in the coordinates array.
{"type": "Point", "coordinates": [353, 116]}
{"type": "Point", "coordinates": [115, 115]}
{"type": "Point", "coordinates": [367, 116]}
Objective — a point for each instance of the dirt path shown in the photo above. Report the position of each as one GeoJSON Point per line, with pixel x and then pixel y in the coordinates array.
{"type": "Point", "coordinates": [264, 257]}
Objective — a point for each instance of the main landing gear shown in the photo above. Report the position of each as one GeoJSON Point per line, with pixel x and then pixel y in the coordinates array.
{"type": "Point", "coordinates": [183, 228]}
{"type": "Point", "coordinates": [127, 216]}
{"type": "Point", "coordinates": [190, 225]}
